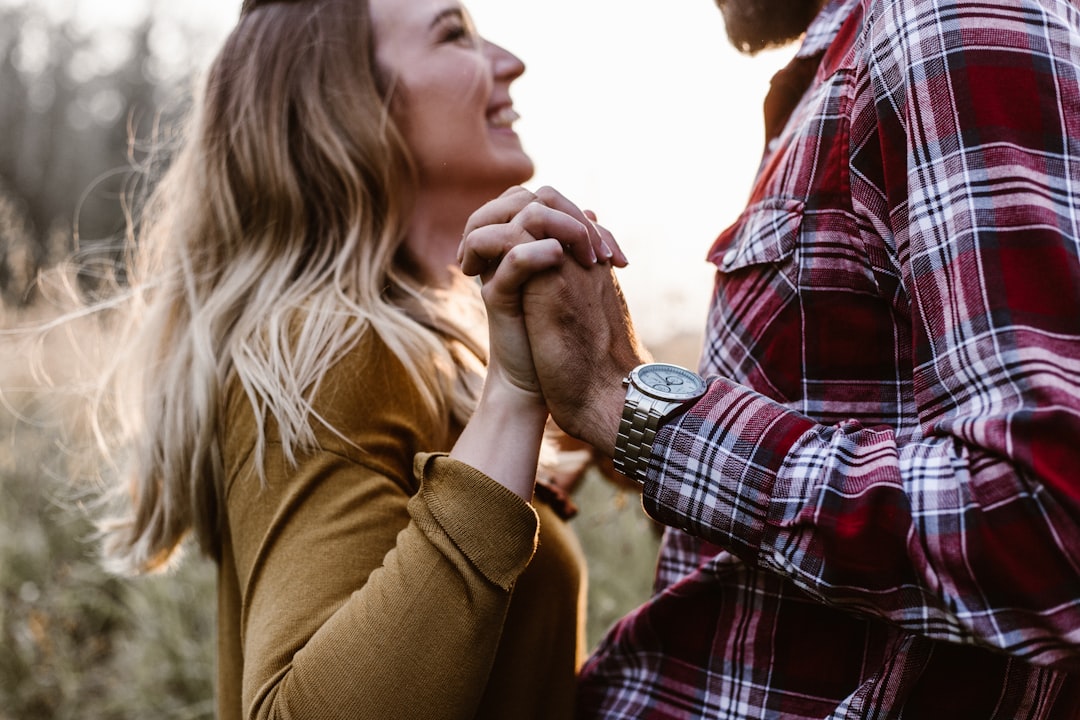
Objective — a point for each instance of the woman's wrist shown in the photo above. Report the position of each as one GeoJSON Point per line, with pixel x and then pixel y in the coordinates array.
{"type": "Point", "coordinates": [510, 396]}
{"type": "Point", "coordinates": [502, 438]}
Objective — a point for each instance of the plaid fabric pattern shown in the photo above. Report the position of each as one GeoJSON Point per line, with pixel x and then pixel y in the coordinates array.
{"type": "Point", "coordinates": [876, 512]}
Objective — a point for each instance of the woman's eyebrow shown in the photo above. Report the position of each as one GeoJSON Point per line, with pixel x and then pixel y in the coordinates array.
{"type": "Point", "coordinates": [448, 12]}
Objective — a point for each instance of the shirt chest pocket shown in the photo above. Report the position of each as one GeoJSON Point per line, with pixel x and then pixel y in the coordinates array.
{"type": "Point", "coordinates": [798, 309]}
{"type": "Point", "coordinates": [756, 302]}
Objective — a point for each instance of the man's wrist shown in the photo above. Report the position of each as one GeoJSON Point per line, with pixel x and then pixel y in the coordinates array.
{"type": "Point", "coordinates": [654, 393]}
{"type": "Point", "coordinates": [609, 408]}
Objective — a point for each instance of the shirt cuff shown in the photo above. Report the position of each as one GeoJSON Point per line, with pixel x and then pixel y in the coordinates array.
{"type": "Point", "coordinates": [713, 469]}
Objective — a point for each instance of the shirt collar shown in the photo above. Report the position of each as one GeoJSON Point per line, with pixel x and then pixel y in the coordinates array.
{"type": "Point", "coordinates": [824, 28]}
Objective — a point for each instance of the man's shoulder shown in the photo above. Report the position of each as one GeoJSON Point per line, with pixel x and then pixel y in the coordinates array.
{"type": "Point", "coordinates": [953, 17]}
{"type": "Point", "coordinates": [907, 40]}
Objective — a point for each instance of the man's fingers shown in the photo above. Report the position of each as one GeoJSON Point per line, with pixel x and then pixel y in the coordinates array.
{"type": "Point", "coordinates": [523, 262]}
{"type": "Point", "coordinates": [502, 290]}
{"type": "Point", "coordinates": [486, 245]}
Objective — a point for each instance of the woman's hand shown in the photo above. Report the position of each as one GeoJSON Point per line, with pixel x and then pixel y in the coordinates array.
{"type": "Point", "coordinates": [511, 355]}
{"type": "Point", "coordinates": [512, 239]}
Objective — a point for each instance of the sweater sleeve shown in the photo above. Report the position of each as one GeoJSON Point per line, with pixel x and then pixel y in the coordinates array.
{"type": "Point", "coordinates": [362, 598]}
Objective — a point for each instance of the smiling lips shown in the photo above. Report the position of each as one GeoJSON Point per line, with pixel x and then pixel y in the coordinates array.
{"type": "Point", "coordinates": [503, 116]}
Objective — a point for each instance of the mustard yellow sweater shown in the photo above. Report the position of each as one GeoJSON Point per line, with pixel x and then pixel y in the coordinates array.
{"type": "Point", "coordinates": [378, 581]}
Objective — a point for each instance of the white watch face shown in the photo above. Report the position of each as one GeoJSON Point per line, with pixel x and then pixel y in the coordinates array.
{"type": "Point", "coordinates": [668, 382]}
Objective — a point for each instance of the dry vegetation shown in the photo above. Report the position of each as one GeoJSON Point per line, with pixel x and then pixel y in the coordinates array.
{"type": "Point", "coordinates": [79, 643]}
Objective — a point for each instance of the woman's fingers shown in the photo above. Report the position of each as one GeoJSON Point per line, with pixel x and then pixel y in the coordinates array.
{"type": "Point", "coordinates": [488, 244]}
{"type": "Point", "coordinates": [511, 353]}
{"type": "Point", "coordinates": [499, 211]}
{"type": "Point", "coordinates": [522, 216]}
{"type": "Point", "coordinates": [618, 257]}
{"type": "Point", "coordinates": [604, 244]}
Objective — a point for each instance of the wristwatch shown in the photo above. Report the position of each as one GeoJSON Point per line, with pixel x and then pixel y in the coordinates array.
{"type": "Point", "coordinates": [654, 393]}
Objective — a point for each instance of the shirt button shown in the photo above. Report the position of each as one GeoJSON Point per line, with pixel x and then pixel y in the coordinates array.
{"type": "Point", "coordinates": [850, 425]}
{"type": "Point", "coordinates": [729, 257]}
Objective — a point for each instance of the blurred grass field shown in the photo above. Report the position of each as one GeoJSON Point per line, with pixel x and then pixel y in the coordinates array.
{"type": "Point", "coordinates": [76, 643]}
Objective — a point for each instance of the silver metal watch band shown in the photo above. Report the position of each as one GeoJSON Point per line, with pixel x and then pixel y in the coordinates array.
{"type": "Point", "coordinates": [633, 445]}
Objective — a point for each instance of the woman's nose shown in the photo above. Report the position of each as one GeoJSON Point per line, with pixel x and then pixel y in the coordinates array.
{"type": "Point", "coordinates": [507, 65]}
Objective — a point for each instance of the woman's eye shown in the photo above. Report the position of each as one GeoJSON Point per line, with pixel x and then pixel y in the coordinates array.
{"type": "Point", "coordinates": [458, 34]}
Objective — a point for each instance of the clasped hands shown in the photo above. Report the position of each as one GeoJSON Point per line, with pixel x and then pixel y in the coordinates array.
{"type": "Point", "coordinates": [560, 329]}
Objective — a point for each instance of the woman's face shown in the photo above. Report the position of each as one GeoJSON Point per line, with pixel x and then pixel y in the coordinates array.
{"type": "Point", "coordinates": [451, 95]}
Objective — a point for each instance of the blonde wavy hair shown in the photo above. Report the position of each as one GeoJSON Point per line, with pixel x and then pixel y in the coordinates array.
{"type": "Point", "coordinates": [270, 245]}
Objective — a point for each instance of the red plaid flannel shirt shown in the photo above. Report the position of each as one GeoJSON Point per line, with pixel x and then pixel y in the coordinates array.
{"type": "Point", "coordinates": [881, 495]}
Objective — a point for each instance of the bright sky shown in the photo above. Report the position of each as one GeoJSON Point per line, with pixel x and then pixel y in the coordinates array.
{"type": "Point", "coordinates": [650, 119]}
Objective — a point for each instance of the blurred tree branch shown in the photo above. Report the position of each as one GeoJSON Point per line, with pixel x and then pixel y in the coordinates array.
{"type": "Point", "coordinates": [66, 120]}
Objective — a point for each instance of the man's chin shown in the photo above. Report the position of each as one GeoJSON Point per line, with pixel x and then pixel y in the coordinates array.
{"type": "Point", "coordinates": [756, 25]}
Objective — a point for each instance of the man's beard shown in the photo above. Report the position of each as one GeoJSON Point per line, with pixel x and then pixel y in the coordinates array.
{"type": "Point", "coordinates": [754, 25]}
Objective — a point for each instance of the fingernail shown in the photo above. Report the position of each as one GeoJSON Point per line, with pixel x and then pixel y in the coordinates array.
{"type": "Point", "coordinates": [608, 254]}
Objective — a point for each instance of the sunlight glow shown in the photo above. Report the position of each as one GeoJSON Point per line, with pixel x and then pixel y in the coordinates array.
{"type": "Point", "coordinates": [650, 119]}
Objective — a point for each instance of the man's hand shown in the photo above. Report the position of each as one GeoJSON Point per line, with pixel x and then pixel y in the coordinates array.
{"type": "Point", "coordinates": [506, 242]}
{"type": "Point", "coordinates": [583, 345]}
{"type": "Point", "coordinates": [579, 330]}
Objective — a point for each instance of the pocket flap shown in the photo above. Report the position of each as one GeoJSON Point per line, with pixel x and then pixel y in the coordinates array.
{"type": "Point", "coordinates": [765, 232]}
